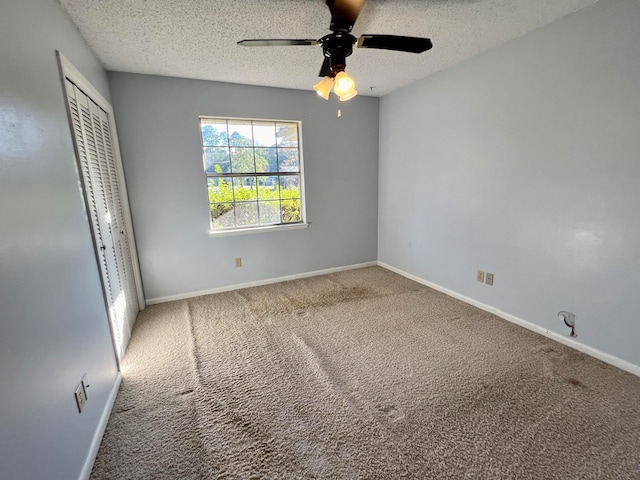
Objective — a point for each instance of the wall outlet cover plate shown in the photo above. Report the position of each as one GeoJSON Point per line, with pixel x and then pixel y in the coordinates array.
{"type": "Point", "coordinates": [80, 397]}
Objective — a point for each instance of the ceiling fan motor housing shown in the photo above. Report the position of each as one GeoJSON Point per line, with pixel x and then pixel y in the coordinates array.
{"type": "Point", "coordinates": [337, 47]}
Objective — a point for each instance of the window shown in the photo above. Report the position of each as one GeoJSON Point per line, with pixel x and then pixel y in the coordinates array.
{"type": "Point", "coordinates": [253, 170]}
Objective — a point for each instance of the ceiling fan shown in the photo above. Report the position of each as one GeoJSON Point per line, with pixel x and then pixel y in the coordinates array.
{"type": "Point", "coordinates": [338, 45]}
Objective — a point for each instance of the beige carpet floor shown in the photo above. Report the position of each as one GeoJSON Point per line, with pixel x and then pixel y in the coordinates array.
{"type": "Point", "coordinates": [361, 374]}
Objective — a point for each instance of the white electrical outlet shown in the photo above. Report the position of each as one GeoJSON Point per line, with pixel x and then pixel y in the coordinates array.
{"type": "Point", "coordinates": [238, 262]}
{"type": "Point", "coordinates": [480, 276]}
{"type": "Point", "coordinates": [81, 399]}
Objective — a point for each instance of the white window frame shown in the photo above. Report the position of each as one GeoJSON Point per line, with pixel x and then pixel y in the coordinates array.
{"type": "Point", "coordinates": [219, 232]}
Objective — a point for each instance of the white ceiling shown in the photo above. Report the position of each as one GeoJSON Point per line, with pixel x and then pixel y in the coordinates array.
{"type": "Point", "coordinates": [197, 38]}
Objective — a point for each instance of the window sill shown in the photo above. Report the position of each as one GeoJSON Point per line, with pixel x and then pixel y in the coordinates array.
{"type": "Point", "coordinates": [245, 231]}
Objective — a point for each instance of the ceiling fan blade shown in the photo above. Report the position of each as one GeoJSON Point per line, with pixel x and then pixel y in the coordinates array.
{"type": "Point", "coordinates": [344, 13]}
{"type": "Point", "coordinates": [276, 42]}
{"type": "Point", "coordinates": [325, 71]}
{"type": "Point", "coordinates": [395, 42]}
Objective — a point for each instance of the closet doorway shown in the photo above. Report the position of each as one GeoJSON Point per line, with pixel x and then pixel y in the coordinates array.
{"type": "Point", "coordinates": [103, 185]}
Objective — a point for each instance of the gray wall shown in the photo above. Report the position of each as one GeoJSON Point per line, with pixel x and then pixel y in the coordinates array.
{"type": "Point", "coordinates": [158, 128]}
{"type": "Point", "coordinates": [524, 162]}
{"type": "Point", "coordinates": [53, 323]}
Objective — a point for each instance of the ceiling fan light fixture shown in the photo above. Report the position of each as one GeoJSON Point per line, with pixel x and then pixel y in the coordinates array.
{"type": "Point", "coordinates": [348, 96]}
{"type": "Point", "coordinates": [344, 84]}
{"type": "Point", "coordinates": [323, 87]}
{"type": "Point", "coordinates": [338, 45]}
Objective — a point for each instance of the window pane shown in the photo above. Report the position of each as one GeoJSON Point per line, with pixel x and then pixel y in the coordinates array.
{"type": "Point", "coordinates": [247, 213]}
{"type": "Point", "coordinates": [291, 211]}
{"type": "Point", "coordinates": [290, 186]}
{"type": "Point", "coordinates": [216, 160]}
{"type": "Point", "coordinates": [287, 134]}
{"type": "Point", "coordinates": [222, 215]}
{"type": "Point", "coordinates": [220, 190]}
{"type": "Point", "coordinates": [269, 212]}
{"type": "Point", "coordinates": [240, 133]}
{"type": "Point", "coordinates": [214, 132]}
{"type": "Point", "coordinates": [242, 160]}
{"type": "Point", "coordinates": [266, 160]}
{"type": "Point", "coordinates": [245, 189]}
{"type": "Point", "coordinates": [288, 160]}
{"type": "Point", "coordinates": [268, 188]}
{"type": "Point", "coordinates": [264, 134]}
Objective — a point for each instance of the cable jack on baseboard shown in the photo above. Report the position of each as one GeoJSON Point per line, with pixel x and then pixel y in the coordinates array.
{"type": "Point", "coordinates": [569, 320]}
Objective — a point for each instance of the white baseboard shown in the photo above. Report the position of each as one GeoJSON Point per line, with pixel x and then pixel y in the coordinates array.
{"type": "Point", "coordinates": [102, 425]}
{"type": "Point", "coordinates": [182, 296]}
{"type": "Point", "coordinates": [568, 341]}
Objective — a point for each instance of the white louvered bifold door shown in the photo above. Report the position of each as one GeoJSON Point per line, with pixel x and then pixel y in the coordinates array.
{"type": "Point", "coordinates": [100, 180]}
{"type": "Point", "coordinates": [119, 227]}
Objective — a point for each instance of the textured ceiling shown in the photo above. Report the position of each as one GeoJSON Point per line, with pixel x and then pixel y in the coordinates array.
{"type": "Point", "coordinates": [197, 38]}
